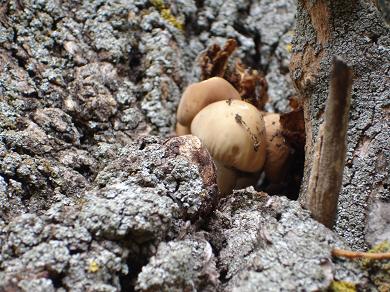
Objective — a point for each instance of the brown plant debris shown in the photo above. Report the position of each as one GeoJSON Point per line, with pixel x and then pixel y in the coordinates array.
{"type": "Point", "coordinates": [251, 84]}
{"type": "Point", "coordinates": [213, 61]}
{"type": "Point", "coordinates": [293, 131]}
{"type": "Point", "coordinates": [295, 102]}
{"type": "Point", "coordinates": [293, 128]}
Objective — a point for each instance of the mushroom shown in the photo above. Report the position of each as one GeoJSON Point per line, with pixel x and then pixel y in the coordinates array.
{"type": "Point", "coordinates": [182, 130]}
{"type": "Point", "coordinates": [245, 179]}
{"type": "Point", "coordinates": [277, 149]}
{"type": "Point", "coordinates": [198, 95]}
{"type": "Point", "coordinates": [234, 133]}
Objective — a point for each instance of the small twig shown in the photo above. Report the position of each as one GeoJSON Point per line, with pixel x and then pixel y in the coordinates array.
{"type": "Point", "coordinates": [329, 152]}
{"type": "Point", "coordinates": [337, 252]}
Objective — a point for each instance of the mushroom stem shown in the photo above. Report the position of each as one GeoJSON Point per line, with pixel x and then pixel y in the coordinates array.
{"type": "Point", "coordinates": [234, 134]}
{"type": "Point", "coordinates": [246, 179]}
{"type": "Point", "coordinates": [226, 178]}
{"type": "Point", "coordinates": [182, 130]}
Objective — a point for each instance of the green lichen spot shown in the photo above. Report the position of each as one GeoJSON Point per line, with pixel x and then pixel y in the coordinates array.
{"type": "Point", "coordinates": [159, 4]}
{"type": "Point", "coordinates": [166, 14]}
{"type": "Point", "coordinates": [93, 267]}
{"type": "Point", "coordinates": [342, 286]}
{"type": "Point", "coordinates": [383, 246]}
{"type": "Point", "coordinates": [379, 270]}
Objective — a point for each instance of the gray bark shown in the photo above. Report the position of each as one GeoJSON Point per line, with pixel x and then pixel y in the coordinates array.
{"type": "Point", "coordinates": [86, 204]}
{"type": "Point", "coordinates": [355, 31]}
{"type": "Point", "coordinates": [329, 153]}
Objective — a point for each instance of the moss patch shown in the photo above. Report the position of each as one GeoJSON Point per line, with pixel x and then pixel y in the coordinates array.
{"type": "Point", "coordinates": [166, 14]}
{"type": "Point", "coordinates": [379, 271]}
{"type": "Point", "coordinates": [342, 286]}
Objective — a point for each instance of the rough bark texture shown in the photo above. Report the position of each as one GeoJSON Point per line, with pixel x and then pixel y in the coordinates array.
{"type": "Point", "coordinates": [355, 31]}
{"type": "Point", "coordinates": [329, 153]}
{"type": "Point", "coordinates": [143, 197]}
{"type": "Point", "coordinates": [90, 201]}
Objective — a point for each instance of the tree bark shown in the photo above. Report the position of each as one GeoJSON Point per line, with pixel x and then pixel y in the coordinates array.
{"type": "Point", "coordinates": [355, 31]}
{"type": "Point", "coordinates": [329, 155]}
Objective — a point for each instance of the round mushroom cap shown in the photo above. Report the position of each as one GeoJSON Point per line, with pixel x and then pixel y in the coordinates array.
{"type": "Point", "coordinates": [198, 95]}
{"type": "Point", "coordinates": [278, 150]}
{"type": "Point", "coordinates": [234, 133]}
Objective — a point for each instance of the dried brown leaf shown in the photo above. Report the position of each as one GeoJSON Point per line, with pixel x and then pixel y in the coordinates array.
{"type": "Point", "coordinates": [251, 84]}
{"type": "Point", "coordinates": [213, 61]}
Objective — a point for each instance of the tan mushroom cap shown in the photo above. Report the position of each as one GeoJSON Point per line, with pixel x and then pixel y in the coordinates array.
{"type": "Point", "coordinates": [198, 95]}
{"type": "Point", "coordinates": [234, 133]}
{"type": "Point", "coordinates": [277, 149]}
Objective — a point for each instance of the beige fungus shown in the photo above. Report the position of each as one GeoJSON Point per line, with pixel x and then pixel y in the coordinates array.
{"type": "Point", "coordinates": [198, 95]}
{"type": "Point", "coordinates": [278, 150]}
{"type": "Point", "coordinates": [234, 133]}
{"type": "Point", "coordinates": [182, 130]}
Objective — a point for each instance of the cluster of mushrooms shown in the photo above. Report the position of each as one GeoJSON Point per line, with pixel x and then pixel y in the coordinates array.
{"type": "Point", "coordinates": [242, 140]}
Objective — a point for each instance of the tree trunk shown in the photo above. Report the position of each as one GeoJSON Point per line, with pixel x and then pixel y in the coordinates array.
{"type": "Point", "coordinates": [355, 31]}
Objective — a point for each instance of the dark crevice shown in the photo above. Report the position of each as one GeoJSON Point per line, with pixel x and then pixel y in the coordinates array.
{"type": "Point", "coordinates": [291, 184]}
{"type": "Point", "coordinates": [222, 270]}
{"type": "Point", "coordinates": [253, 61]}
{"type": "Point", "coordinates": [274, 46]}
{"type": "Point", "coordinates": [240, 27]}
{"type": "Point", "coordinates": [192, 29]}
{"type": "Point", "coordinates": [15, 35]}
{"type": "Point", "coordinates": [100, 5]}
{"type": "Point", "coordinates": [135, 68]}
{"type": "Point", "coordinates": [85, 171]}
{"type": "Point", "coordinates": [177, 201]}
{"type": "Point", "coordinates": [75, 251]}
{"type": "Point", "coordinates": [257, 57]}
{"type": "Point", "coordinates": [28, 190]}
{"type": "Point", "coordinates": [55, 23]}
{"type": "Point", "coordinates": [20, 61]}
{"type": "Point", "coordinates": [223, 276]}
{"type": "Point", "coordinates": [87, 135]}
{"type": "Point", "coordinates": [56, 279]}
{"type": "Point", "coordinates": [134, 264]}
{"type": "Point", "coordinates": [22, 58]}
{"type": "Point", "coordinates": [199, 3]}
{"type": "Point", "coordinates": [33, 94]}
{"type": "Point", "coordinates": [142, 145]}
{"type": "Point", "coordinates": [57, 50]}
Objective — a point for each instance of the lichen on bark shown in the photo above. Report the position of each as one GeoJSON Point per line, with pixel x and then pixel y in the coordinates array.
{"type": "Point", "coordinates": [355, 31]}
{"type": "Point", "coordinates": [86, 204]}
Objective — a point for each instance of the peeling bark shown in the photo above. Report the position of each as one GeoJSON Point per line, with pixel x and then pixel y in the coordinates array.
{"type": "Point", "coordinates": [329, 155]}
